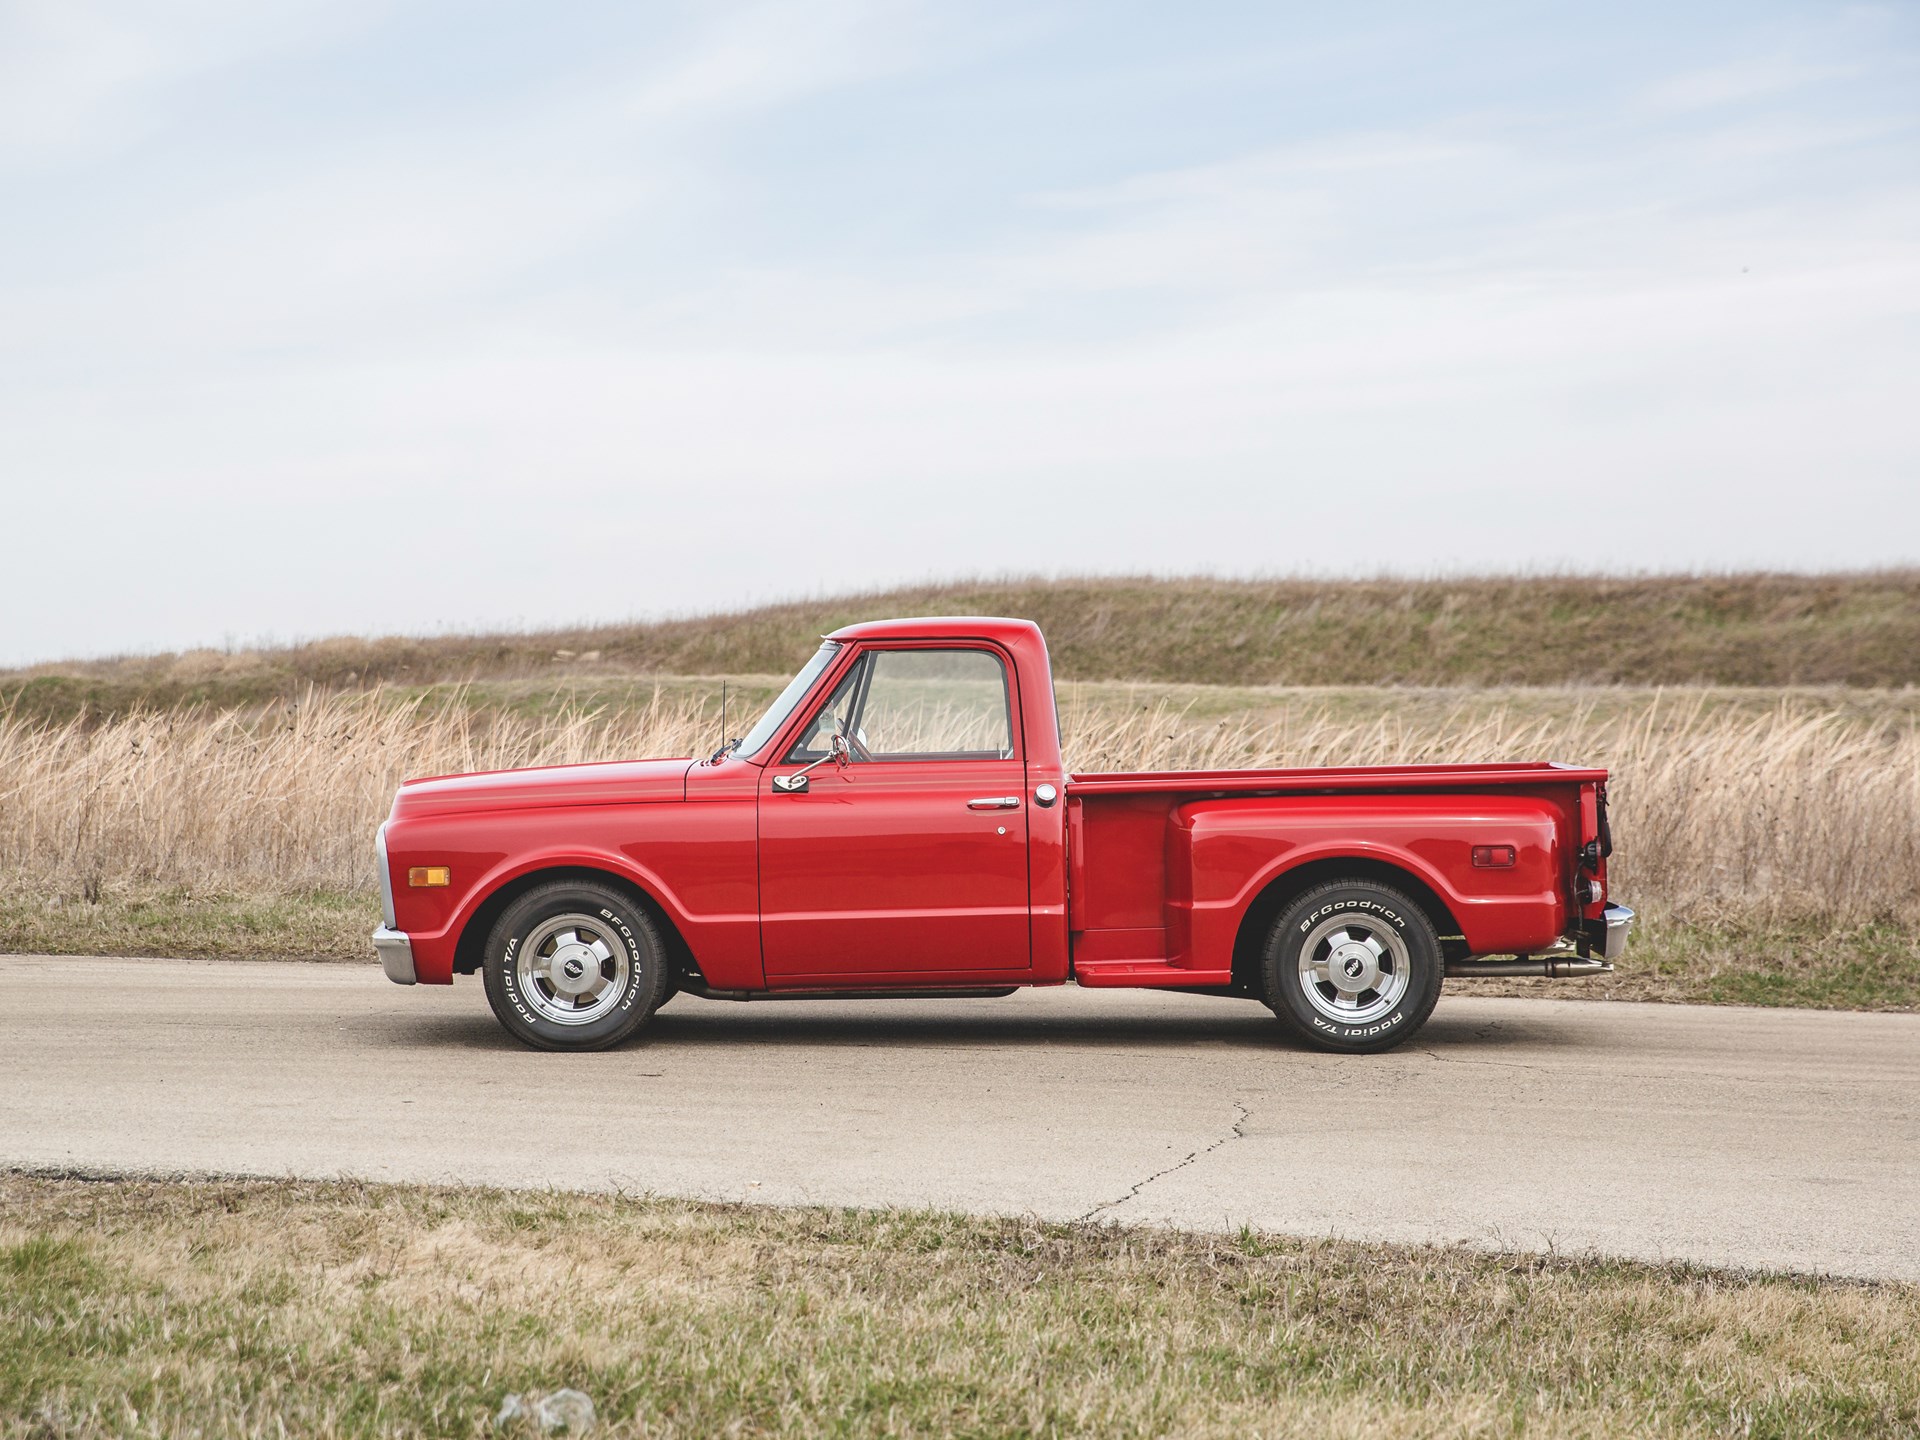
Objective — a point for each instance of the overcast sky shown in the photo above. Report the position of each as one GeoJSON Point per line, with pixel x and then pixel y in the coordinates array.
{"type": "Point", "coordinates": [376, 315]}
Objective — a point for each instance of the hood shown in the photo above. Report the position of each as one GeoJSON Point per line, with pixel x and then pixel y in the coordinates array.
{"type": "Point", "coordinates": [611, 782]}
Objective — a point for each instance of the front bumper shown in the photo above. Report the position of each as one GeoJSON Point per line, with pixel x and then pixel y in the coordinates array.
{"type": "Point", "coordinates": [395, 949]}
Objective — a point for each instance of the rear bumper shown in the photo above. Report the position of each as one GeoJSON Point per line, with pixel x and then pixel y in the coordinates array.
{"type": "Point", "coordinates": [1604, 936]}
{"type": "Point", "coordinates": [395, 949]}
{"type": "Point", "coordinates": [1610, 932]}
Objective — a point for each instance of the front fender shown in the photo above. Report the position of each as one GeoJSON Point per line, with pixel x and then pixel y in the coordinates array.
{"type": "Point", "coordinates": [696, 862]}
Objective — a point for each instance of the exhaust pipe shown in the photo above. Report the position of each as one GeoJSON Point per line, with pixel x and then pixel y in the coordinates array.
{"type": "Point", "coordinates": [1529, 965]}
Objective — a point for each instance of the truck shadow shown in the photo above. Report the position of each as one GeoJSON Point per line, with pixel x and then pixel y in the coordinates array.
{"type": "Point", "coordinates": [1208, 1027]}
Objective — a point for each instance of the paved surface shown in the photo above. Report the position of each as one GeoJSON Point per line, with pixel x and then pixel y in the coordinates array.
{"type": "Point", "coordinates": [1786, 1139]}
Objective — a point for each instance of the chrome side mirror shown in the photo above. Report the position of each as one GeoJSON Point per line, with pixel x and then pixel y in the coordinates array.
{"type": "Point", "coordinates": [838, 751]}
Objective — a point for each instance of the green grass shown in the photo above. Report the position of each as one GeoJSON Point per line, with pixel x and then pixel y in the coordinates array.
{"type": "Point", "coordinates": [1860, 629]}
{"type": "Point", "coordinates": [229, 1309]}
{"type": "Point", "coordinates": [173, 920]}
{"type": "Point", "coordinates": [1749, 961]}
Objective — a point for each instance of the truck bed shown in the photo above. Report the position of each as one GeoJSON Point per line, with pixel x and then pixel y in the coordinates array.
{"type": "Point", "coordinates": [1161, 861]}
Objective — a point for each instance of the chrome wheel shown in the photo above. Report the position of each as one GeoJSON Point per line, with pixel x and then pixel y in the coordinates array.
{"type": "Point", "coordinates": [1354, 969]}
{"type": "Point", "coordinates": [573, 969]}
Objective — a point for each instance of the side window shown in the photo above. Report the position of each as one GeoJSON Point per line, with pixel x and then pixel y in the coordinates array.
{"type": "Point", "coordinates": [918, 705]}
{"type": "Point", "coordinates": [948, 703]}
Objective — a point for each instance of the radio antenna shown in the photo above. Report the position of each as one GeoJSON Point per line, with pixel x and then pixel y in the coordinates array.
{"type": "Point", "coordinates": [721, 753]}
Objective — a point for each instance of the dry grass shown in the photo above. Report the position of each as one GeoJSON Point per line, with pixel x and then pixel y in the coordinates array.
{"type": "Point", "coordinates": [243, 1309]}
{"type": "Point", "coordinates": [287, 796]}
{"type": "Point", "coordinates": [1789, 814]}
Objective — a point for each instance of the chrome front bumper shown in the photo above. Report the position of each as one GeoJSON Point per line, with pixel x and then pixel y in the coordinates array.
{"type": "Point", "coordinates": [395, 949]}
{"type": "Point", "coordinates": [1617, 920]}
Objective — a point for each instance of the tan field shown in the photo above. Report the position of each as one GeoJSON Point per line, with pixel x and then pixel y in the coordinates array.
{"type": "Point", "coordinates": [1760, 836]}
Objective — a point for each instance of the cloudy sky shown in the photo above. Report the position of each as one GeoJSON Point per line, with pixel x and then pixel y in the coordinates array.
{"type": "Point", "coordinates": [375, 315]}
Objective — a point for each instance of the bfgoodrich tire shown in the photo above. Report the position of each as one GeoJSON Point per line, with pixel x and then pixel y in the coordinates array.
{"type": "Point", "coordinates": [1352, 966]}
{"type": "Point", "coordinates": [573, 965]}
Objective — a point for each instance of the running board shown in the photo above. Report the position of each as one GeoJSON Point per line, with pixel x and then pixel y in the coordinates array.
{"type": "Point", "coordinates": [1527, 965]}
{"type": "Point", "coordinates": [1146, 974]}
{"type": "Point", "coordinates": [707, 993]}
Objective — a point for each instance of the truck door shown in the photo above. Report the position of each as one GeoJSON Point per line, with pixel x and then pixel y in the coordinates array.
{"type": "Point", "coordinates": [905, 855]}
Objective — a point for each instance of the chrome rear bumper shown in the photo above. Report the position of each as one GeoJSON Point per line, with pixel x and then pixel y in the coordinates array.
{"type": "Point", "coordinates": [1590, 950]}
{"type": "Point", "coordinates": [395, 949]}
{"type": "Point", "coordinates": [1618, 920]}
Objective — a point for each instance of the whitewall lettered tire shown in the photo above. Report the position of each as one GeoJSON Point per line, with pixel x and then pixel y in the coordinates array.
{"type": "Point", "coordinates": [575, 965]}
{"type": "Point", "coordinates": [1353, 966]}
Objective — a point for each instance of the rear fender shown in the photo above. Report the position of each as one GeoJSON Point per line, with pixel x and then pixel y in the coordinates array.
{"type": "Point", "coordinates": [1224, 854]}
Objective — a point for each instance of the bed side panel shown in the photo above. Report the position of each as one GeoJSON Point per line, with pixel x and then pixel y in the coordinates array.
{"type": "Point", "coordinates": [1226, 851]}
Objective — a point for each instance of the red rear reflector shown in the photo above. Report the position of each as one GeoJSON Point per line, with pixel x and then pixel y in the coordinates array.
{"type": "Point", "coordinates": [1493, 857]}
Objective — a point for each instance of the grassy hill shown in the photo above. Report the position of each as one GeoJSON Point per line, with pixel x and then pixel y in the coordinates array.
{"type": "Point", "coordinates": [1860, 629]}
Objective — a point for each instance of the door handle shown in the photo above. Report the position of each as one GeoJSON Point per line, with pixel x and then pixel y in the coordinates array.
{"type": "Point", "coordinates": [995, 802]}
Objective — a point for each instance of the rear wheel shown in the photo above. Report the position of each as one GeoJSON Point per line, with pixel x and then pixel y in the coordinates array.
{"type": "Point", "coordinates": [1352, 966]}
{"type": "Point", "coordinates": [573, 965]}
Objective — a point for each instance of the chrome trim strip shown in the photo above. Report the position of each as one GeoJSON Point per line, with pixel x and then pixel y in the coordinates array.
{"type": "Point", "coordinates": [1618, 920]}
{"type": "Point", "coordinates": [387, 920]}
{"type": "Point", "coordinates": [395, 949]}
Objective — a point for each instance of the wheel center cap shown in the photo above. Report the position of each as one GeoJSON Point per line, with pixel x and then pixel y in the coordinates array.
{"type": "Point", "coordinates": [1353, 968]}
{"type": "Point", "coordinates": [575, 969]}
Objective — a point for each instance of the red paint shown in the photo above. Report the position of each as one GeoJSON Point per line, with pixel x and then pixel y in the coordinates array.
{"type": "Point", "coordinates": [884, 868]}
{"type": "Point", "coordinates": [880, 875]}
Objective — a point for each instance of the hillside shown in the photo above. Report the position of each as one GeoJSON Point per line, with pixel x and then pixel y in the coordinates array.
{"type": "Point", "coordinates": [1859, 629]}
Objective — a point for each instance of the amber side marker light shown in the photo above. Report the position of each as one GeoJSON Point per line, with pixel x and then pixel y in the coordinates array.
{"type": "Point", "coordinates": [426, 876]}
{"type": "Point", "coordinates": [1493, 857]}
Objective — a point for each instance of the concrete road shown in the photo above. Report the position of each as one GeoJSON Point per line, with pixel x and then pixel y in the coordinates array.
{"type": "Point", "coordinates": [1786, 1139]}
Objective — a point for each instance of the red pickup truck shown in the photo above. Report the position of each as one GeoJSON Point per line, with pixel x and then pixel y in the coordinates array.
{"type": "Point", "coordinates": [901, 823]}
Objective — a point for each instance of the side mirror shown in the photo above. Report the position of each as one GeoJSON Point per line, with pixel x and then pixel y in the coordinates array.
{"type": "Point", "coordinates": [838, 751]}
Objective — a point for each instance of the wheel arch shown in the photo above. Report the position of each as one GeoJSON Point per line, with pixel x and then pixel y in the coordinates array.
{"type": "Point", "coordinates": [471, 948]}
{"type": "Point", "coordinates": [1289, 885]}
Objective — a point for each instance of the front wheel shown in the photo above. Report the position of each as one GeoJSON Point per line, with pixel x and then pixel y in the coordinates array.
{"type": "Point", "coordinates": [1352, 966]}
{"type": "Point", "coordinates": [575, 966]}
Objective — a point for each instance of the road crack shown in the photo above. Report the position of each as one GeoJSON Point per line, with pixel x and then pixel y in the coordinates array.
{"type": "Point", "coordinates": [1478, 1060]}
{"type": "Point", "coordinates": [1238, 1131]}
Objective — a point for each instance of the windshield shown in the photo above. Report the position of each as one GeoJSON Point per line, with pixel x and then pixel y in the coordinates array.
{"type": "Point", "coordinates": [781, 708]}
